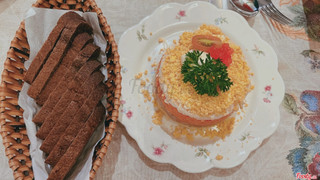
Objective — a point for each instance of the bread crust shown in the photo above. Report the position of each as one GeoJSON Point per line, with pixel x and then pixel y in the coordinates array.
{"type": "Point", "coordinates": [49, 44]}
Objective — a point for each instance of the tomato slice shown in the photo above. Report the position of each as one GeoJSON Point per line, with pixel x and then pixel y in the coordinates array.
{"type": "Point", "coordinates": [204, 42]}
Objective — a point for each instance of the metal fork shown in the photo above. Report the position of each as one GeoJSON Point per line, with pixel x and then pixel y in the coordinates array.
{"type": "Point", "coordinates": [268, 8]}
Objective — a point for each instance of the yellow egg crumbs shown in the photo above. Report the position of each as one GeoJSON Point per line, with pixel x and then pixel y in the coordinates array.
{"type": "Point", "coordinates": [174, 41]}
{"type": "Point", "coordinates": [146, 95]}
{"type": "Point", "coordinates": [224, 128]}
{"type": "Point", "coordinates": [180, 132]}
{"type": "Point", "coordinates": [184, 94]}
{"type": "Point", "coordinates": [149, 58]}
{"type": "Point", "coordinates": [157, 117]}
{"type": "Point", "coordinates": [154, 102]}
{"type": "Point", "coordinates": [219, 157]}
{"type": "Point", "coordinates": [145, 72]}
{"type": "Point", "coordinates": [220, 130]}
{"type": "Point", "coordinates": [160, 40]}
{"type": "Point", "coordinates": [138, 76]}
{"type": "Point", "coordinates": [143, 83]}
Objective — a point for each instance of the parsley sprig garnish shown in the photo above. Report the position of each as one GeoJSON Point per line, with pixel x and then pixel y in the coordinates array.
{"type": "Point", "coordinates": [207, 76]}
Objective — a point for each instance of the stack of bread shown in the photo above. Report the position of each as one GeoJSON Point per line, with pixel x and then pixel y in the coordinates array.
{"type": "Point", "coordinates": [66, 81]}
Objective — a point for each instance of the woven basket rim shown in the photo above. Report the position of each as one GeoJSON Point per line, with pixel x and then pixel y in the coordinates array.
{"type": "Point", "coordinates": [12, 127]}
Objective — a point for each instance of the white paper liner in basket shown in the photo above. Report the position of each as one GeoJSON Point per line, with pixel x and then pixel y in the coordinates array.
{"type": "Point", "coordinates": [39, 23]}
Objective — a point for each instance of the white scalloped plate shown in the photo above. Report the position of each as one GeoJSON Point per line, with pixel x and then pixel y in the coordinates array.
{"type": "Point", "coordinates": [260, 118]}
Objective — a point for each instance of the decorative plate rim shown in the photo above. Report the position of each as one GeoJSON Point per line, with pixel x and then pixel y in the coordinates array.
{"type": "Point", "coordinates": [127, 36]}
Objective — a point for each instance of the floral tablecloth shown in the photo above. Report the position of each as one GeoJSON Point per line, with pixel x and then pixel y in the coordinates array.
{"type": "Point", "coordinates": [291, 152]}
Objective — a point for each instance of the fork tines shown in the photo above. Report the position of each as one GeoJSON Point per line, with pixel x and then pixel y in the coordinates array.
{"type": "Point", "coordinates": [271, 11]}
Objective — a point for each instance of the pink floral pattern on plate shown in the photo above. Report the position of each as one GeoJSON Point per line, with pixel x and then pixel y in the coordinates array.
{"type": "Point", "coordinates": [126, 110]}
{"type": "Point", "coordinates": [129, 114]}
{"type": "Point", "coordinates": [181, 14]}
{"type": "Point", "coordinates": [159, 150]}
{"type": "Point", "coordinates": [268, 94]}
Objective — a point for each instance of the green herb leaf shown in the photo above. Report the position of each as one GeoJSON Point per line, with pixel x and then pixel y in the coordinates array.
{"type": "Point", "coordinates": [207, 76]}
{"type": "Point", "coordinates": [290, 104]}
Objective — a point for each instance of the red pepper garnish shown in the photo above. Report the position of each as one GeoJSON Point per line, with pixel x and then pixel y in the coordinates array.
{"type": "Point", "coordinates": [223, 53]}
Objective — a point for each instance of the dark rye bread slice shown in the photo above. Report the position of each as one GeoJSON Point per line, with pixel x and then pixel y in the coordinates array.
{"type": "Point", "coordinates": [79, 42]}
{"type": "Point", "coordinates": [69, 158]}
{"type": "Point", "coordinates": [44, 52]}
{"type": "Point", "coordinates": [66, 137]}
{"type": "Point", "coordinates": [85, 100]}
{"type": "Point", "coordinates": [90, 51]}
{"type": "Point", "coordinates": [70, 94]}
{"type": "Point", "coordinates": [56, 56]}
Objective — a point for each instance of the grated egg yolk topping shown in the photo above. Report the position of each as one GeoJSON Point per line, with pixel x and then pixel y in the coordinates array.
{"type": "Point", "coordinates": [183, 94]}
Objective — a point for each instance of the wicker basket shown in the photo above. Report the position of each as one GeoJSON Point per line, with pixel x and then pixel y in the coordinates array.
{"type": "Point", "coordinates": [12, 125]}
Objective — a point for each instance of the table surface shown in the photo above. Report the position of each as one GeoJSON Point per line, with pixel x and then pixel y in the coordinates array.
{"type": "Point", "coordinates": [299, 65]}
